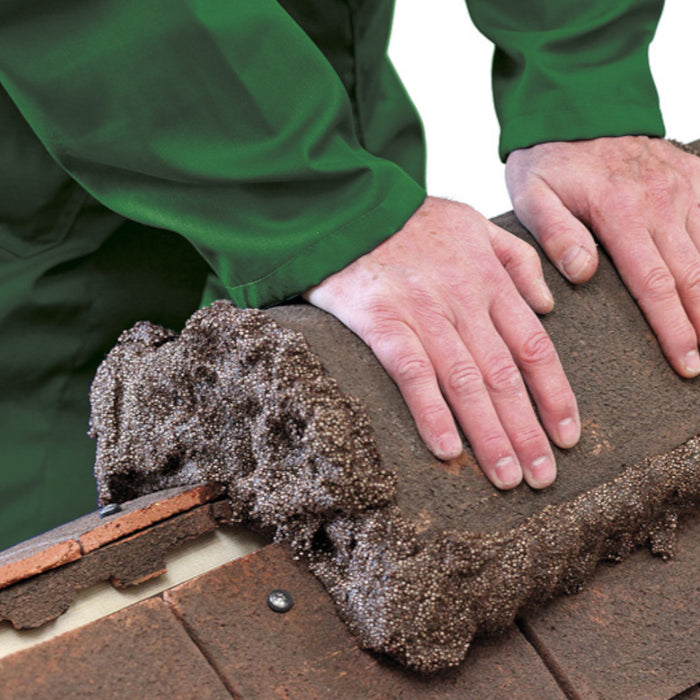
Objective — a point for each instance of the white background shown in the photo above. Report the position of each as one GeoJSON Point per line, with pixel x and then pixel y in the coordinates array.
{"type": "Point", "coordinates": [445, 65]}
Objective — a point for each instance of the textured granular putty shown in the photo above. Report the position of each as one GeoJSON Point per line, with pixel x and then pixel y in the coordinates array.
{"type": "Point", "coordinates": [235, 399]}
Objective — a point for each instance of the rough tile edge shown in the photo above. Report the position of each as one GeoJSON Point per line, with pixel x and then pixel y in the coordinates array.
{"type": "Point", "coordinates": [692, 693]}
{"type": "Point", "coordinates": [121, 525]}
{"type": "Point", "coordinates": [126, 563]}
{"type": "Point", "coordinates": [69, 542]}
{"type": "Point", "coordinates": [43, 560]}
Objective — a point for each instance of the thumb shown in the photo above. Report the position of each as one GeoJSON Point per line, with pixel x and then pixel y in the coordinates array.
{"type": "Point", "coordinates": [565, 240]}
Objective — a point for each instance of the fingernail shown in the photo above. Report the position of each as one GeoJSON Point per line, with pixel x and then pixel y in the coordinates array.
{"type": "Point", "coordinates": [546, 293]}
{"type": "Point", "coordinates": [508, 472]}
{"type": "Point", "coordinates": [692, 362]}
{"type": "Point", "coordinates": [569, 432]}
{"type": "Point", "coordinates": [542, 472]}
{"type": "Point", "coordinates": [449, 447]}
{"type": "Point", "coordinates": [575, 260]}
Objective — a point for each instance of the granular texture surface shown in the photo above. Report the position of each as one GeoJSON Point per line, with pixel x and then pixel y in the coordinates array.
{"type": "Point", "coordinates": [238, 400]}
{"type": "Point", "coordinates": [422, 600]}
{"type": "Point", "coordinates": [234, 399]}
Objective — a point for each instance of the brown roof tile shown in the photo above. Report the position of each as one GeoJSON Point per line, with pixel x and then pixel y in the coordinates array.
{"type": "Point", "coordinates": [139, 652]}
{"type": "Point", "coordinates": [634, 633]}
{"type": "Point", "coordinates": [308, 653]}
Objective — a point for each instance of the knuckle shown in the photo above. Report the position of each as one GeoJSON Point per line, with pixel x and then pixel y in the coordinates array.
{"type": "Point", "coordinates": [660, 201]}
{"type": "Point", "coordinates": [690, 282]}
{"type": "Point", "coordinates": [464, 378]}
{"type": "Point", "coordinates": [386, 341]}
{"type": "Point", "coordinates": [509, 257]}
{"type": "Point", "coordinates": [527, 438]}
{"type": "Point", "coordinates": [622, 197]}
{"type": "Point", "coordinates": [522, 255]}
{"type": "Point", "coordinates": [432, 325]}
{"type": "Point", "coordinates": [550, 230]}
{"type": "Point", "coordinates": [666, 188]}
{"type": "Point", "coordinates": [658, 283]}
{"type": "Point", "coordinates": [494, 443]}
{"type": "Point", "coordinates": [410, 368]}
{"type": "Point", "coordinates": [537, 350]}
{"type": "Point", "coordinates": [503, 376]}
{"type": "Point", "coordinates": [530, 256]}
{"type": "Point", "coordinates": [432, 413]}
{"type": "Point", "coordinates": [424, 300]}
{"type": "Point", "coordinates": [662, 182]}
{"type": "Point", "coordinates": [381, 325]}
{"type": "Point", "coordinates": [559, 400]}
{"type": "Point", "coordinates": [379, 306]}
{"type": "Point", "coordinates": [682, 334]}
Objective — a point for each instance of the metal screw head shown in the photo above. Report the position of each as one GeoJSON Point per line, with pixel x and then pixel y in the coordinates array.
{"type": "Point", "coordinates": [280, 601]}
{"type": "Point", "coordinates": [109, 509]}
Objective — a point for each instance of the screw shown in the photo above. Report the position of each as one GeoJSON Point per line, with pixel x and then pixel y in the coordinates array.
{"type": "Point", "coordinates": [109, 509]}
{"type": "Point", "coordinates": [280, 601]}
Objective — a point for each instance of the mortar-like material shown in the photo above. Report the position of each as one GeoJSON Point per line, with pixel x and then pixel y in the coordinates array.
{"type": "Point", "coordinates": [238, 400]}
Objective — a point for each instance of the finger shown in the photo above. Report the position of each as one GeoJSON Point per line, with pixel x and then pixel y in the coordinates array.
{"type": "Point", "coordinates": [507, 391]}
{"type": "Point", "coordinates": [516, 327]}
{"type": "Point", "coordinates": [566, 241]}
{"type": "Point", "coordinates": [537, 359]}
{"type": "Point", "coordinates": [509, 395]}
{"type": "Point", "coordinates": [683, 261]}
{"type": "Point", "coordinates": [523, 264]}
{"type": "Point", "coordinates": [677, 244]}
{"type": "Point", "coordinates": [651, 282]}
{"type": "Point", "coordinates": [402, 355]}
{"type": "Point", "coordinates": [464, 387]}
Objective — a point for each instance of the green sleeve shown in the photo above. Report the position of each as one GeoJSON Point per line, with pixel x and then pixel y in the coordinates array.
{"type": "Point", "coordinates": [221, 121]}
{"type": "Point", "coordinates": [571, 69]}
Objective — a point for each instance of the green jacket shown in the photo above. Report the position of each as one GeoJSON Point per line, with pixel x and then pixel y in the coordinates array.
{"type": "Point", "coordinates": [276, 136]}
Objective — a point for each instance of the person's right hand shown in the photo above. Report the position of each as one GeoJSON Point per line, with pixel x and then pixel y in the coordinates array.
{"type": "Point", "coordinates": [641, 198]}
{"type": "Point", "coordinates": [446, 304]}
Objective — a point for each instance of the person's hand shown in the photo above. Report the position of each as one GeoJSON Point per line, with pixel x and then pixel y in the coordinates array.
{"type": "Point", "coordinates": [641, 198]}
{"type": "Point", "coordinates": [446, 305]}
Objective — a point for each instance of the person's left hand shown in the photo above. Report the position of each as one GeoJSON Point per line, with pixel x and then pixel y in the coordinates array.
{"type": "Point", "coordinates": [641, 198]}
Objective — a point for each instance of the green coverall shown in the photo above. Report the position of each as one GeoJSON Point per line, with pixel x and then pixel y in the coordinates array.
{"type": "Point", "coordinates": [273, 137]}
